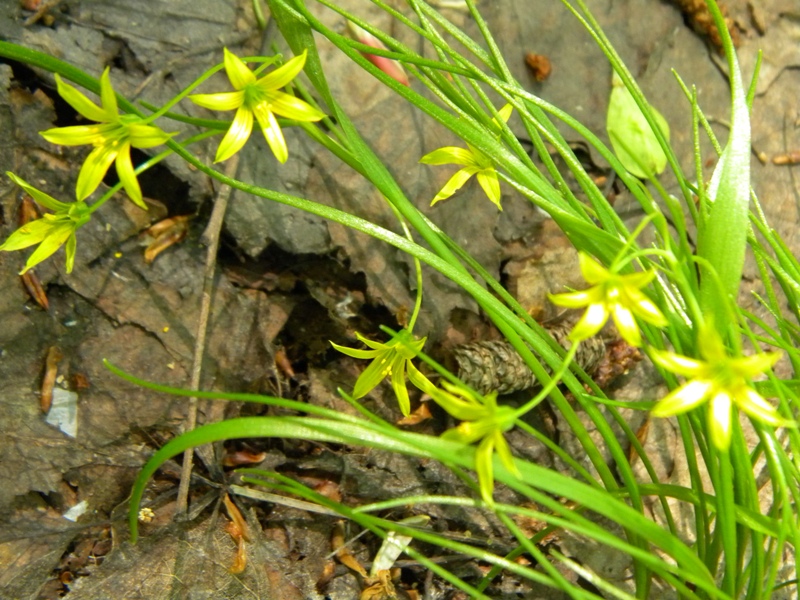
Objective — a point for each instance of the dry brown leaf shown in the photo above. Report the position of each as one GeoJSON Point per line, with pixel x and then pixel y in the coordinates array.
{"type": "Point", "coordinates": [342, 553]}
{"type": "Point", "coordinates": [54, 357]}
{"type": "Point", "coordinates": [238, 458]}
{"type": "Point", "coordinates": [283, 363]}
{"type": "Point", "coordinates": [329, 489]}
{"type": "Point", "coordinates": [165, 233]}
{"type": "Point", "coordinates": [423, 413]}
{"type": "Point", "coordinates": [790, 158]}
{"type": "Point", "coordinates": [641, 435]}
{"type": "Point", "coordinates": [237, 528]}
{"type": "Point", "coordinates": [34, 288]}
{"type": "Point", "coordinates": [539, 65]}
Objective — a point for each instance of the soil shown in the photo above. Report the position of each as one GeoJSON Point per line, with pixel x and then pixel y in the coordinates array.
{"type": "Point", "coordinates": [288, 283]}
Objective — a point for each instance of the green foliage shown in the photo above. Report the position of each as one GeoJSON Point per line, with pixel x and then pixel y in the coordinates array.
{"type": "Point", "coordinates": [663, 296]}
{"type": "Point", "coordinates": [634, 142]}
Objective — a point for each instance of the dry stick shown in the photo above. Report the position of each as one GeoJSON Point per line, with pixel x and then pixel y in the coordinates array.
{"type": "Point", "coordinates": [210, 237]}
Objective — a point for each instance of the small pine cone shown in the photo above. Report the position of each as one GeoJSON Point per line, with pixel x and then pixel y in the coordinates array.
{"type": "Point", "coordinates": [495, 366]}
{"type": "Point", "coordinates": [697, 14]}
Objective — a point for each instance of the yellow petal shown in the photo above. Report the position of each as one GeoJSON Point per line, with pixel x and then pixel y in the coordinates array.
{"type": "Point", "coordinates": [590, 323]}
{"type": "Point", "coordinates": [371, 344]}
{"type": "Point", "coordinates": [399, 385]}
{"type": "Point", "coordinates": [593, 272]}
{"type": "Point", "coordinates": [128, 177]}
{"type": "Point", "coordinates": [645, 309]}
{"type": "Point", "coordinates": [504, 453]}
{"type": "Point", "coordinates": [79, 102]}
{"type": "Point", "coordinates": [146, 136]}
{"type": "Point", "coordinates": [283, 75]}
{"type": "Point", "coordinates": [94, 169]}
{"type": "Point", "coordinates": [52, 242]}
{"type": "Point", "coordinates": [237, 71]}
{"type": "Point", "coordinates": [449, 155]}
{"type": "Point", "coordinates": [76, 135]}
{"type": "Point", "coordinates": [638, 280]}
{"type": "Point", "coordinates": [719, 420]}
{"type": "Point", "coordinates": [491, 185]}
{"type": "Point", "coordinates": [626, 325]}
{"type": "Point", "coordinates": [575, 299]}
{"type": "Point", "coordinates": [220, 101]}
{"type": "Point", "coordinates": [290, 107]}
{"type": "Point", "coordinates": [375, 372]}
{"type": "Point", "coordinates": [27, 235]}
{"type": "Point", "coordinates": [505, 113]}
{"type": "Point", "coordinates": [272, 132]}
{"type": "Point", "coordinates": [756, 407]}
{"type": "Point", "coordinates": [107, 96]}
{"type": "Point", "coordinates": [38, 195]}
{"type": "Point", "coordinates": [454, 184]}
{"type": "Point", "coordinates": [750, 366]}
{"type": "Point", "coordinates": [710, 345]}
{"type": "Point", "coordinates": [485, 469]}
{"type": "Point", "coordinates": [419, 380]}
{"type": "Point", "coordinates": [675, 363]}
{"type": "Point", "coordinates": [237, 135]}
{"type": "Point", "coordinates": [684, 398]}
{"type": "Point", "coordinates": [71, 247]}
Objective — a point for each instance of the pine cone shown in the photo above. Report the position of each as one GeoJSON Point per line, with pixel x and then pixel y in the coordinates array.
{"type": "Point", "coordinates": [494, 366]}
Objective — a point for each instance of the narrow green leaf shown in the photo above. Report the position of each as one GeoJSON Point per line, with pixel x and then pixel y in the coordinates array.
{"type": "Point", "coordinates": [722, 234]}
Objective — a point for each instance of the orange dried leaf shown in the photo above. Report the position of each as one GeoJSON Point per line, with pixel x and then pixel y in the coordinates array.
{"type": "Point", "coordinates": [34, 288]}
{"type": "Point", "coordinates": [283, 363]}
{"type": "Point", "coordinates": [236, 517]}
{"type": "Point", "coordinates": [329, 489]}
{"type": "Point", "coordinates": [242, 457]}
{"type": "Point", "coordinates": [790, 158]}
{"type": "Point", "coordinates": [28, 211]}
{"type": "Point", "coordinates": [165, 233]}
{"type": "Point", "coordinates": [342, 553]}
{"type": "Point", "coordinates": [237, 528]}
{"type": "Point", "coordinates": [539, 65]}
{"type": "Point", "coordinates": [641, 435]}
{"type": "Point", "coordinates": [423, 413]}
{"type": "Point", "coordinates": [54, 357]}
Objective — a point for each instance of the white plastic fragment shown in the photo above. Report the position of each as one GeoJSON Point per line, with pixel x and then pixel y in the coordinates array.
{"type": "Point", "coordinates": [394, 544]}
{"type": "Point", "coordinates": [77, 511]}
{"type": "Point", "coordinates": [64, 411]}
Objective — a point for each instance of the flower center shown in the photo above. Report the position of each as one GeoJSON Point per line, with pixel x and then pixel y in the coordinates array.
{"type": "Point", "coordinates": [253, 95]}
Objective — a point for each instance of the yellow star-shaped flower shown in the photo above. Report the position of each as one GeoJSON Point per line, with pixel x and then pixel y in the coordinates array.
{"type": "Point", "coordinates": [474, 162]}
{"type": "Point", "coordinates": [721, 379]}
{"type": "Point", "coordinates": [391, 358]}
{"type": "Point", "coordinates": [51, 231]}
{"type": "Point", "coordinates": [611, 294]}
{"type": "Point", "coordinates": [482, 419]}
{"type": "Point", "coordinates": [112, 137]}
{"type": "Point", "coordinates": [258, 98]}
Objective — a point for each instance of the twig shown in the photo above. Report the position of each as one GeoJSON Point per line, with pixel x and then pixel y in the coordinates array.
{"type": "Point", "coordinates": [211, 238]}
{"type": "Point", "coordinates": [40, 12]}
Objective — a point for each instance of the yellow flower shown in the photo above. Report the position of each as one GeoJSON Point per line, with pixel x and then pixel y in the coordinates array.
{"type": "Point", "coordinates": [719, 378]}
{"type": "Point", "coordinates": [391, 358]}
{"type": "Point", "coordinates": [482, 420]}
{"type": "Point", "coordinates": [611, 294]}
{"type": "Point", "coordinates": [112, 138]}
{"type": "Point", "coordinates": [259, 98]}
{"type": "Point", "coordinates": [51, 231]}
{"type": "Point", "coordinates": [475, 163]}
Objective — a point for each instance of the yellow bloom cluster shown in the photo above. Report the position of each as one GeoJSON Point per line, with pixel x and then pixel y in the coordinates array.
{"type": "Point", "coordinates": [113, 135]}
{"type": "Point", "coordinates": [719, 378]}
